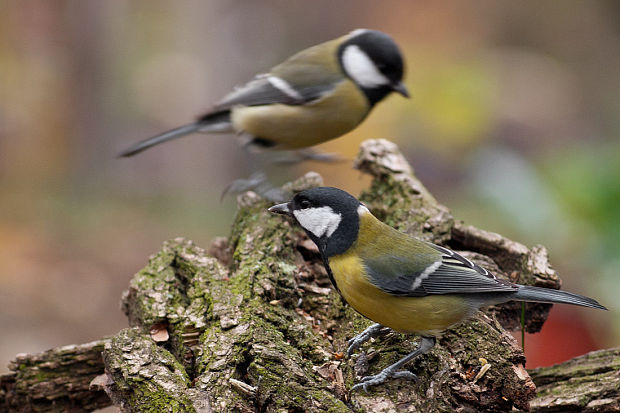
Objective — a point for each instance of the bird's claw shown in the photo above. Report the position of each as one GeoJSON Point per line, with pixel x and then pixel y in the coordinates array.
{"type": "Point", "coordinates": [354, 344]}
{"type": "Point", "coordinates": [322, 157]}
{"type": "Point", "coordinates": [369, 381]}
{"type": "Point", "coordinates": [357, 341]}
{"type": "Point", "coordinates": [307, 155]}
{"type": "Point", "coordinates": [258, 183]}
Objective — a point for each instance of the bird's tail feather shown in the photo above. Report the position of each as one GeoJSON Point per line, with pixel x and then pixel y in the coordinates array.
{"type": "Point", "coordinates": [164, 137]}
{"type": "Point", "coordinates": [547, 295]}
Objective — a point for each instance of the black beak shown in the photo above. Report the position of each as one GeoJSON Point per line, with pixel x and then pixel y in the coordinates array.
{"type": "Point", "coordinates": [280, 209]}
{"type": "Point", "coordinates": [401, 88]}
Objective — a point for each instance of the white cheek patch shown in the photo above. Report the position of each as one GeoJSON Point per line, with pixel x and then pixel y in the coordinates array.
{"type": "Point", "coordinates": [320, 221]}
{"type": "Point", "coordinates": [358, 65]}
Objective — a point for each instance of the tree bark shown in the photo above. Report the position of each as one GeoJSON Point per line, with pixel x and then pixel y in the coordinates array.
{"type": "Point", "coordinates": [588, 383]}
{"type": "Point", "coordinates": [253, 325]}
{"type": "Point", "coordinates": [55, 380]}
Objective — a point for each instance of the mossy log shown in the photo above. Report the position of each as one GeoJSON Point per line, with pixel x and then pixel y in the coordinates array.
{"type": "Point", "coordinates": [588, 383]}
{"type": "Point", "coordinates": [252, 324]}
{"type": "Point", "coordinates": [54, 381]}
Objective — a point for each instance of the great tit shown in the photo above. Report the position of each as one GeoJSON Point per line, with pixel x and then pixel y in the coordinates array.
{"type": "Point", "coordinates": [398, 281]}
{"type": "Point", "coordinates": [316, 95]}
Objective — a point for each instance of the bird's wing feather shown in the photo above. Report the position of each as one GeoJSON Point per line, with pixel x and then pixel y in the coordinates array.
{"type": "Point", "coordinates": [302, 78]}
{"type": "Point", "coordinates": [269, 89]}
{"type": "Point", "coordinates": [415, 275]}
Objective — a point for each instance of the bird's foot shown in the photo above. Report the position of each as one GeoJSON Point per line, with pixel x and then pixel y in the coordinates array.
{"type": "Point", "coordinates": [307, 155]}
{"type": "Point", "coordinates": [380, 378]}
{"type": "Point", "coordinates": [258, 183]}
{"type": "Point", "coordinates": [393, 371]}
{"type": "Point", "coordinates": [314, 155]}
{"type": "Point", "coordinates": [372, 331]}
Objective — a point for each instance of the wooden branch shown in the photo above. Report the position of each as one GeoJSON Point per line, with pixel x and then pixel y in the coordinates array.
{"type": "Point", "coordinates": [55, 380]}
{"type": "Point", "coordinates": [254, 325]}
{"type": "Point", "coordinates": [588, 383]}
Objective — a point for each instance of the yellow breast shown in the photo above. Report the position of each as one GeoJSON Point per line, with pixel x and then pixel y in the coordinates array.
{"type": "Point", "coordinates": [294, 127]}
{"type": "Point", "coordinates": [423, 315]}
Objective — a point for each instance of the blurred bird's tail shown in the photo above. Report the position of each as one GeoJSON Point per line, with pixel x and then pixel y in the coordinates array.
{"type": "Point", "coordinates": [164, 137]}
{"type": "Point", "coordinates": [547, 295]}
{"type": "Point", "coordinates": [211, 123]}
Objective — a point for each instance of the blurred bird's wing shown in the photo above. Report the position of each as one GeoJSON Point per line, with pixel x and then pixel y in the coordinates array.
{"type": "Point", "coordinates": [302, 78]}
{"type": "Point", "coordinates": [270, 89]}
{"type": "Point", "coordinates": [437, 271]}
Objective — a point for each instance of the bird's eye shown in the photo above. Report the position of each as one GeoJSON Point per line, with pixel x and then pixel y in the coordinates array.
{"type": "Point", "coordinates": [304, 203]}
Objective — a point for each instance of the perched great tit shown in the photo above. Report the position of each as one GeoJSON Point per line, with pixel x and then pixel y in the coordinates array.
{"type": "Point", "coordinates": [316, 95]}
{"type": "Point", "coordinates": [398, 281]}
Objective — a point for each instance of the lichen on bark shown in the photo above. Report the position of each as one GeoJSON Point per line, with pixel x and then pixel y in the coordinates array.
{"type": "Point", "coordinates": [145, 377]}
{"type": "Point", "coordinates": [54, 380]}
{"type": "Point", "coordinates": [588, 383]}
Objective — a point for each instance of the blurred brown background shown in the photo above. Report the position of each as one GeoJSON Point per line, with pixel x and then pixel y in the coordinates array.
{"type": "Point", "coordinates": [513, 124]}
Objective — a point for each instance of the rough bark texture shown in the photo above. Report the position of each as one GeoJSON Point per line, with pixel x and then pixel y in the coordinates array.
{"type": "Point", "coordinates": [253, 325]}
{"type": "Point", "coordinates": [55, 380]}
{"type": "Point", "coordinates": [588, 383]}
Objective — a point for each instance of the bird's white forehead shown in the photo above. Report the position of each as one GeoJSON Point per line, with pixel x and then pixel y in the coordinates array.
{"type": "Point", "coordinates": [360, 67]}
{"type": "Point", "coordinates": [319, 221]}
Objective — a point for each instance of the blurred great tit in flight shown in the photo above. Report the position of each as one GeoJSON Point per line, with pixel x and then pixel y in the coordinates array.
{"type": "Point", "coordinates": [316, 95]}
{"type": "Point", "coordinates": [398, 281]}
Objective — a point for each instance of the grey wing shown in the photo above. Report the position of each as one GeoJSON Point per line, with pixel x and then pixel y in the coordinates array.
{"type": "Point", "coordinates": [268, 89]}
{"type": "Point", "coordinates": [449, 273]}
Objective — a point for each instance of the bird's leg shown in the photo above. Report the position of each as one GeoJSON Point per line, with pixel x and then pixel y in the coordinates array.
{"type": "Point", "coordinates": [258, 183]}
{"type": "Point", "coordinates": [307, 154]}
{"type": "Point", "coordinates": [310, 154]}
{"type": "Point", "coordinates": [393, 372]}
{"type": "Point", "coordinates": [372, 331]}
{"type": "Point", "coordinates": [255, 162]}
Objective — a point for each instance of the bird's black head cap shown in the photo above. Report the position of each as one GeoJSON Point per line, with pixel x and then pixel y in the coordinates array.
{"type": "Point", "coordinates": [373, 60]}
{"type": "Point", "coordinates": [329, 216]}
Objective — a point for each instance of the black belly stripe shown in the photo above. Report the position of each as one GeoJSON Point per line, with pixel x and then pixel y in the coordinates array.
{"type": "Point", "coordinates": [331, 277]}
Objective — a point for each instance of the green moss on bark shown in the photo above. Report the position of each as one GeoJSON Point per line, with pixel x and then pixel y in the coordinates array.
{"type": "Point", "coordinates": [148, 377]}
{"type": "Point", "coordinates": [267, 347]}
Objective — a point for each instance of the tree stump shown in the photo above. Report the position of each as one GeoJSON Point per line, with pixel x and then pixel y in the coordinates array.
{"type": "Point", "coordinates": [253, 325]}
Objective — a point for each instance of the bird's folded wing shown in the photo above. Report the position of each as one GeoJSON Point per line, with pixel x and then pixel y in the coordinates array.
{"type": "Point", "coordinates": [269, 89]}
{"type": "Point", "coordinates": [447, 273]}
